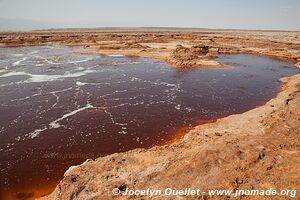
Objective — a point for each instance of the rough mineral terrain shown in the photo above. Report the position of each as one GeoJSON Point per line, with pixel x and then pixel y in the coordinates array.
{"type": "Point", "coordinates": [179, 48]}
{"type": "Point", "coordinates": [259, 149]}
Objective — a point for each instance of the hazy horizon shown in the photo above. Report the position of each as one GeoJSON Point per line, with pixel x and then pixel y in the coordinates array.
{"type": "Point", "coordinates": [25, 15]}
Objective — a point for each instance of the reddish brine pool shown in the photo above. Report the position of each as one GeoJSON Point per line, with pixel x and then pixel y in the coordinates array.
{"type": "Point", "coordinates": [59, 109]}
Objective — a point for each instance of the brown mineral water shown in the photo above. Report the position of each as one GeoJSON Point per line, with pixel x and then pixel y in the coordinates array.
{"type": "Point", "coordinates": [59, 109]}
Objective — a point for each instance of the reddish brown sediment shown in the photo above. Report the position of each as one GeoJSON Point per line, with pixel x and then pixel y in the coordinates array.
{"type": "Point", "coordinates": [29, 192]}
{"type": "Point", "coordinates": [256, 149]}
{"type": "Point", "coordinates": [180, 132]}
{"type": "Point", "coordinates": [178, 135]}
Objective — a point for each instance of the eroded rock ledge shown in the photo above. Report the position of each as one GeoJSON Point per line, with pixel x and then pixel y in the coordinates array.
{"type": "Point", "coordinates": [195, 56]}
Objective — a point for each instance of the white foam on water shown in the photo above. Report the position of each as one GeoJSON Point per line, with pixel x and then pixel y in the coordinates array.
{"type": "Point", "coordinates": [178, 107]}
{"type": "Point", "coordinates": [36, 132]}
{"type": "Point", "coordinates": [80, 61]}
{"type": "Point", "coordinates": [120, 124]}
{"type": "Point", "coordinates": [2, 129]}
{"type": "Point", "coordinates": [122, 132]}
{"type": "Point", "coordinates": [116, 55]}
{"type": "Point", "coordinates": [20, 99]}
{"type": "Point", "coordinates": [135, 79]}
{"type": "Point", "coordinates": [79, 68]}
{"type": "Point", "coordinates": [80, 83]}
{"type": "Point", "coordinates": [34, 52]}
{"type": "Point", "coordinates": [52, 63]}
{"type": "Point", "coordinates": [168, 84]}
{"type": "Point", "coordinates": [59, 91]}
{"type": "Point", "coordinates": [17, 54]}
{"type": "Point", "coordinates": [38, 78]}
{"type": "Point", "coordinates": [19, 61]}
{"type": "Point", "coordinates": [13, 74]}
{"type": "Point", "coordinates": [55, 123]}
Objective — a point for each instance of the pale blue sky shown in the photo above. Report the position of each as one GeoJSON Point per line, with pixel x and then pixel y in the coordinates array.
{"type": "Point", "coordinates": [241, 14]}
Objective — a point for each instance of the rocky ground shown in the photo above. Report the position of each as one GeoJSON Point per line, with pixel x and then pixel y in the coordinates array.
{"type": "Point", "coordinates": [178, 48]}
{"type": "Point", "coordinates": [259, 149]}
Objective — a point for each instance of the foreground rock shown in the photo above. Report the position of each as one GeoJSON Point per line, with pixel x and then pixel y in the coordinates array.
{"type": "Point", "coordinates": [255, 150]}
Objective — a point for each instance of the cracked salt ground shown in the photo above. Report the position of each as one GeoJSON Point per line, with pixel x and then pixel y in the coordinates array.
{"type": "Point", "coordinates": [55, 105]}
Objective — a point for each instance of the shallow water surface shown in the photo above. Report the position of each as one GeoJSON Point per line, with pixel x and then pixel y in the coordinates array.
{"type": "Point", "coordinates": [59, 109]}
